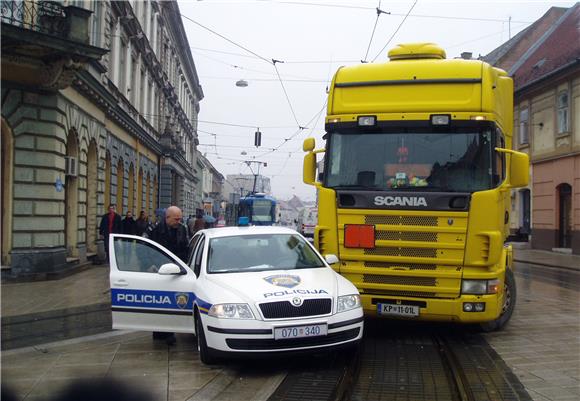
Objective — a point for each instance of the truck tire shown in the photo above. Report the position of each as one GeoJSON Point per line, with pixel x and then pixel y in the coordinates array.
{"type": "Point", "coordinates": [508, 307]}
{"type": "Point", "coordinates": [205, 355]}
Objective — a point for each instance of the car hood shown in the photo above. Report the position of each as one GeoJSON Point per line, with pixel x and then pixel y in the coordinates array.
{"type": "Point", "coordinates": [275, 285]}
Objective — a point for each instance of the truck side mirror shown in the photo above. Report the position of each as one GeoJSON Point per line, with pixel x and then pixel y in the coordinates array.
{"type": "Point", "coordinates": [519, 170]}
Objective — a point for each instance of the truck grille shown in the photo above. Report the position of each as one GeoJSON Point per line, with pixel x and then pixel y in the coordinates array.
{"type": "Point", "coordinates": [415, 253]}
{"type": "Point", "coordinates": [408, 266]}
{"type": "Point", "coordinates": [284, 309]}
{"type": "Point", "coordinates": [399, 280]}
{"type": "Point", "coordinates": [409, 252]}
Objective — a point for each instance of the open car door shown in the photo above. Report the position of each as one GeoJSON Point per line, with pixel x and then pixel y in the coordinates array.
{"type": "Point", "coordinates": [151, 288]}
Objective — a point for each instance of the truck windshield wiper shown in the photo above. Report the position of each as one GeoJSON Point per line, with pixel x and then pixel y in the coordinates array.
{"type": "Point", "coordinates": [354, 186]}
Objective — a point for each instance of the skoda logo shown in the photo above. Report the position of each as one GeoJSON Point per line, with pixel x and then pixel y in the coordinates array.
{"type": "Point", "coordinates": [296, 301]}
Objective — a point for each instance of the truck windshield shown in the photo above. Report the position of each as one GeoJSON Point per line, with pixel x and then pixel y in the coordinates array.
{"type": "Point", "coordinates": [428, 161]}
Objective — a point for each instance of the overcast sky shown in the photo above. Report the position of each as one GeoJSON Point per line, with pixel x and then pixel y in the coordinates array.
{"type": "Point", "coordinates": [234, 40]}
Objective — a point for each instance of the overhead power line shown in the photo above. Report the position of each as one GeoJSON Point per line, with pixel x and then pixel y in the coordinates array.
{"type": "Point", "coordinates": [379, 12]}
{"type": "Point", "coordinates": [397, 30]}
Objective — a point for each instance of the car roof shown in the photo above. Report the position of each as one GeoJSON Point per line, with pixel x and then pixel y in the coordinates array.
{"type": "Point", "coordinates": [246, 230]}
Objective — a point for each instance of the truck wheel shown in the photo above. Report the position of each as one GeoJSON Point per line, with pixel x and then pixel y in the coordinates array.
{"type": "Point", "coordinates": [508, 307]}
{"type": "Point", "coordinates": [205, 355]}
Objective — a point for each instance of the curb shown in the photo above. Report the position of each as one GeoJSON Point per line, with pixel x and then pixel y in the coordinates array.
{"type": "Point", "coordinates": [546, 264]}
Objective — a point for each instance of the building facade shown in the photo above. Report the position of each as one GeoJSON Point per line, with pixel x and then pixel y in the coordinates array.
{"type": "Point", "coordinates": [544, 61]}
{"type": "Point", "coordinates": [99, 106]}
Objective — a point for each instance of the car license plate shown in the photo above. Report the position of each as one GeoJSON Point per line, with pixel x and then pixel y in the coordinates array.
{"type": "Point", "coordinates": [398, 310]}
{"type": "Point", "coordinates": [311, 330]}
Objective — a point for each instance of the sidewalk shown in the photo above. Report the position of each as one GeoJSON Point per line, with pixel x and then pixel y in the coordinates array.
{"type": "Point", "coordinates": [547, 258]}
{"type": "Point", "coordinates": [79, 304]}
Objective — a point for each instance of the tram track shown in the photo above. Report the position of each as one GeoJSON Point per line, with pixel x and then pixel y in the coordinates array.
{"type": "Point", "coordinates": [398, 361]}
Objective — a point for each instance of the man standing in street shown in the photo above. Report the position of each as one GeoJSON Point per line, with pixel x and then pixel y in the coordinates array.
{"type": "Point", "coordinates": [110, 224]}
{"type": "Point", "coordinates": [171, 234]}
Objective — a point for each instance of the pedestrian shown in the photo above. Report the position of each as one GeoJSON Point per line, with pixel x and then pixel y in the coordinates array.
{"type": "Point", "coordinates": [129, 226]}
{"type": "Point", "coordinates": [191, 225]}
{"type": "Point", "coordinates": [110, 223]}
{"type": "Point", "coordinates": [171, 234]}
{"type": "Point", "coordinates": [199, 221]}
{"type": "Point", "coordinates": [142, 223]}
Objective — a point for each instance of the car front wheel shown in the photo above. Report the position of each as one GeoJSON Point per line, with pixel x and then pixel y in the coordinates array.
{"type": "Point", "coordinates": [205, 355]}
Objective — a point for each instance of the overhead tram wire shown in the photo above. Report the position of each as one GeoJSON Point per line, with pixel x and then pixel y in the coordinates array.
{"type": "Point", "coordinates": [397, 30]}
{"type": "Point", "coordinates": [379, 12]}
{"type": "Point", "coordinates": [397, 14]}
{"type": "Point", "coordinates": [273, 62]}
{"type": "Point", "coordinates": [226, 39]}
{"type": "Point", "coordinates": [286, 140]}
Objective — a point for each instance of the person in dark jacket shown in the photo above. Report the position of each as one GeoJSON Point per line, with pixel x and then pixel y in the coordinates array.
{"type": "Point", "coordinates": [142, 223]}
{"type": "Point", "coordinates": [129, 224]}
{"type": "Point", "coordinates": [171, 233]}
{"type": "Point", "coordinates": [110, 224]}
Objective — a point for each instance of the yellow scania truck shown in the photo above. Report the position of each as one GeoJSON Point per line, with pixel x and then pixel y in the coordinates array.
{"type": "Point", "coordinates": [414, 186]}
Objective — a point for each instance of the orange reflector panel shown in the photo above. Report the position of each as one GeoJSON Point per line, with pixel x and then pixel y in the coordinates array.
{"type": "Point", "coordinates": [359, 236]}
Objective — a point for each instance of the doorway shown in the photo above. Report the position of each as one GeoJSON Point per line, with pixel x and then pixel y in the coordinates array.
{"type": "Point", "coordinates": [72, 196]}
{"type": "Point", "coordinates": [525, 212]}
{"type": "Point", "coordinates": [92, 212]}
{"type": "Point", "coordinates": [6, 189]}
{"type": "Point", "coordinates": [564, 216]}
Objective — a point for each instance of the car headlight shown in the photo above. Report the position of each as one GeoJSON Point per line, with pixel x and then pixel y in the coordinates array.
{"type": "Point", "coordinates": [348, 302]}
{"type": "Point", "coordinates": [231, 311]}
{"type": "Point", "coordinates": [479, 287]}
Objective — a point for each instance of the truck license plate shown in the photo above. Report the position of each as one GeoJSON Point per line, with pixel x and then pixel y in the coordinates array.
{"type": "Point", "coordinates": [398, 310]}
{"type": "Point", "coordinates": [311, 330]}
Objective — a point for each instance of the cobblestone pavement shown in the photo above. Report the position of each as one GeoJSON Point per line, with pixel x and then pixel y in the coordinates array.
{"type": "Point", "coordinates": [541, 343]}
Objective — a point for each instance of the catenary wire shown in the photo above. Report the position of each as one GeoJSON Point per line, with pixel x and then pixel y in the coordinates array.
{"type": "Point", "coordinates": [397, 30]}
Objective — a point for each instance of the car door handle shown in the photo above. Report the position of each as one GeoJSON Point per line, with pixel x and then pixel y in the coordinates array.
{"type": "Point", "coordinates": [120, 283]}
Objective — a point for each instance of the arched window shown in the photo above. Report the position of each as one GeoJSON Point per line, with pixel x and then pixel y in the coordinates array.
{"type": "Point", "coordinates": [120, 186]}
{"type": "Point", "coordinates": [131, 190]}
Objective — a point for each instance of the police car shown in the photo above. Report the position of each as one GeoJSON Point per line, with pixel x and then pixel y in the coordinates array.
{"type": "Point", "coordinates": [244, 290]}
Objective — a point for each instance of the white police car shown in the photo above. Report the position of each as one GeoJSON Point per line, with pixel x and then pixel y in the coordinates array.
{"type": "Point", "coordinates": [244, 290]}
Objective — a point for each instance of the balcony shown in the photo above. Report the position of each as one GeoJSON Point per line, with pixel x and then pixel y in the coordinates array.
{"type": "Point", "coordinates": [44, 43]}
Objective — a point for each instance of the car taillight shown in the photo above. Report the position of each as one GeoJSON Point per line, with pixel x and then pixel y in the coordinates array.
{"type": "Point", "coordinates": [359, 236]}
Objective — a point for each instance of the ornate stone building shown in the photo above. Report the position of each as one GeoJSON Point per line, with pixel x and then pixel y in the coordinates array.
{"type": "Point", "coordinates": [99, 105]}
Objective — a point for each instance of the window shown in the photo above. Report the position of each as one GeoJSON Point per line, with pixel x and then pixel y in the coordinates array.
{"type": "Point", "coordinates": [96, 22]}
{"type": "Point", "coordinates": [142, 94]}
{"type": "Point", "coordinates": [132, 90]}
{"type": "Point", "coordinates": [563, 111]}
{"type": "Point", "coordinates": [122, 66]}
{"type": "Point", "coordinates": [499, 174]}
{"type": "Point", "coordinates": [139, 256]}
{"type": "Point", "coordinates": [197, 259]}
{"type": "Point", "coordinates": [524, 124]}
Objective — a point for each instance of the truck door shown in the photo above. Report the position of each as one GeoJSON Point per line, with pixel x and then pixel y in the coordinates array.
{"type": "Point", "coordinates": [151, 289]}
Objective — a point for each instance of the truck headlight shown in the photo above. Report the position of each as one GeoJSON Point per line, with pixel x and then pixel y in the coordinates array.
{"type": "Point", "coordinates": [479, 287]}
{"type": "Point", "coordinates": [231, 311]}
{"type": "Point", "coordinates": [348, 302]}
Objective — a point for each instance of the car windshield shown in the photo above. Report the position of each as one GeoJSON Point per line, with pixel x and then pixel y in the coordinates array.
{"type": "Point", "coordinates": [423, 161]}
{"type": "Point", "coordinates": [250, 253]}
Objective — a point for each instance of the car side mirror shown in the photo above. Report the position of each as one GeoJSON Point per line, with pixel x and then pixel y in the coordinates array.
{"type": "Point", "coordinates": [169, 269]}
{"type": "Point", "coordinates": [331, 259]}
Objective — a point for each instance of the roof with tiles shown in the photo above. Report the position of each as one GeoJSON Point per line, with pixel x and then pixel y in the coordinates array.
{"type": "Point", "coordinates": [551, 42]}
{"type": "Point", "coordinates": [510, 52]}
{"type": "Point", "coordinates": [558, 48]}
